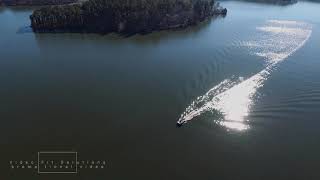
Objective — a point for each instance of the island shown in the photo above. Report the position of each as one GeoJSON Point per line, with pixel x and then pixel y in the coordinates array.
{"type": "Point", "coordinates": [35, 2]}
{"type": "Point", "coordinates": [124, 16]}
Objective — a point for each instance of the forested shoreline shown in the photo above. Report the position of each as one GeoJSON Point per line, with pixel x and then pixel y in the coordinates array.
{"type": "Point", "coordinates": [35, 2]}
{"type": "Point", "coordinates": [124, 16]}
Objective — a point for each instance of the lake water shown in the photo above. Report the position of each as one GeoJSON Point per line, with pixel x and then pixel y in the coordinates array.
{"type": "Point", "coordinates": [246, 85]}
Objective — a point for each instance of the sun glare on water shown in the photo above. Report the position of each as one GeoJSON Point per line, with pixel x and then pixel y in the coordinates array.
{"type": "Point", "coordinates": [275, 41]}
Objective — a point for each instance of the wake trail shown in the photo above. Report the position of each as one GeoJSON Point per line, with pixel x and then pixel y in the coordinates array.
{"type": "Point", "coordinates": [275, 42]}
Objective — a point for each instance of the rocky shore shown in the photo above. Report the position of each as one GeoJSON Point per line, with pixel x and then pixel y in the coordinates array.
{"type": "Point", "coordinates": [124, 16]}
{"type": "Point", "coordinates": [35, 2]}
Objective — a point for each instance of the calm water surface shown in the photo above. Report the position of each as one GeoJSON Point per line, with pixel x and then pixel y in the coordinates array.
{"type": "Point", "coordinates": [247, 85]}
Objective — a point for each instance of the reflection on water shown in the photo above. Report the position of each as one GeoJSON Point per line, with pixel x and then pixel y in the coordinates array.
{"type": "Point", "coordinates": [137, 39]}
{"type": "Point", "coordinates": [116, 98]}
{"type": "Point", "coordinates": [25, 29]}
{"type": "Point", "coordinates": [274, 41]}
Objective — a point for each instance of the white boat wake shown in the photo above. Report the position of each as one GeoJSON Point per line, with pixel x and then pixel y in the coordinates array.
{"type": "Point", "coordinates": [276, 41]}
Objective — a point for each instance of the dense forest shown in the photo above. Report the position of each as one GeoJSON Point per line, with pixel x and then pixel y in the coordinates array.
{"type": "Point", "coordinates": [124, 16]}
{"type": "Point", "coordinates": [35, 2]}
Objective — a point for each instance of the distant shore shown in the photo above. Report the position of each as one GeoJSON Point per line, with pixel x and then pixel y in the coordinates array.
{"type": "Point", "coordinates": [275, 2]}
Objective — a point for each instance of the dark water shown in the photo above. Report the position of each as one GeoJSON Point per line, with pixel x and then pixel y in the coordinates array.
{"type": "Point", "coordinates": [118, 99]}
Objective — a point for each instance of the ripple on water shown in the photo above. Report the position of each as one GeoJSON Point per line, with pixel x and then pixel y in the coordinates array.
{"type": "Point", "coordinates": [275, 41]}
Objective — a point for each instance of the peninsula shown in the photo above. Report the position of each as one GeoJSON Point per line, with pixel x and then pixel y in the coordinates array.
{"type": "Point", "coordinates": [124, 16]}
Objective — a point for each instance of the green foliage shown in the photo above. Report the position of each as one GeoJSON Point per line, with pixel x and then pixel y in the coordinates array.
{"type": "Point", "coordinates": [93, 6]}
{"type": "Point", "coordinates": [119, 15]}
